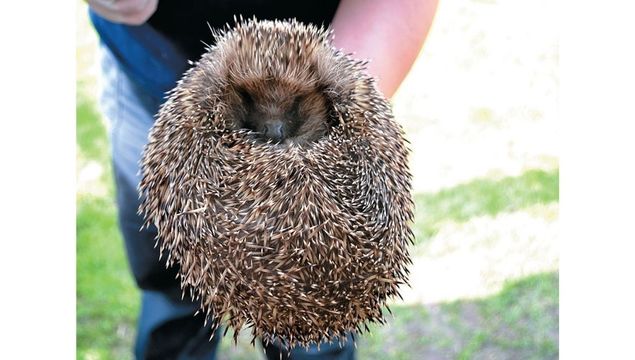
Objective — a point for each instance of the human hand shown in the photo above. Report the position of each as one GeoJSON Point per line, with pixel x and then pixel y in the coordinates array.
{"type": "Point", "coordinates": [130, 12]}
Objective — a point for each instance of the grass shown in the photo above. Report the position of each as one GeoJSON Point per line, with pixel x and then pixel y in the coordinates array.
{"type": "Point", "coordinates": [520, 322]}
{"type": "Point", "coordinates": [91, 134]}
{"type": "Point", "coordinates": [107, 299]}
{"type": "Point", "coordinates": [483, 197]}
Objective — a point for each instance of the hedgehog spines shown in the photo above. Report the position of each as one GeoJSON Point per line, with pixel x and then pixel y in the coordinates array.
{"type": "Point", "coordinates": [301, 243]}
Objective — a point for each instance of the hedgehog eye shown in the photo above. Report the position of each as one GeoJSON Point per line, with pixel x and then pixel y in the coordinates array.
{"type": "Point", "coordinates": [246, 98]}
{"type": "Point", "coordinates": [295, 106]}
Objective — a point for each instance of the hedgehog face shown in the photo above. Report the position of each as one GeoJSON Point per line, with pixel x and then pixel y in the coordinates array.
{"type": "Point", "coordinates": [281, 112]}
{"type": "Point", "coordinates": [275, 81]}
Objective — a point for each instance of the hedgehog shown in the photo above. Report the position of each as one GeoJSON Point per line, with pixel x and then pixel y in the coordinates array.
{"type": "Point", "coordinates": [278, 181]}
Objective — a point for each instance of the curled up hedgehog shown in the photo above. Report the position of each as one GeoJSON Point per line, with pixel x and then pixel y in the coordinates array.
{"type": "Point", "coordinates": [278, 181]}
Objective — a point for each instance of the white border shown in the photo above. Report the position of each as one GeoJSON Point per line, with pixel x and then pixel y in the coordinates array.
{"type": "Point", "coordinates": [597, 180]}
{"type": "Point", "coordinates": [37, 192]}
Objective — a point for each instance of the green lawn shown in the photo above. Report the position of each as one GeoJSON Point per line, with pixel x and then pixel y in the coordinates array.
{"type": "Point", "coordinates": [483, 197]}
{"type": "Point", "coordinates": [107, 300]}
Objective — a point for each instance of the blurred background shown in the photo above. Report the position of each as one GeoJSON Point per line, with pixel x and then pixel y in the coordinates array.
{"type": "Point", "coordinates": [480, 108]}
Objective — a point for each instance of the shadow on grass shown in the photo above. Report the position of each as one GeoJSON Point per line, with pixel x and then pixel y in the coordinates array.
{"type": "Point", "coordinates": [520, 322]}
{"type": "Point", "coordinates": [483, 197]}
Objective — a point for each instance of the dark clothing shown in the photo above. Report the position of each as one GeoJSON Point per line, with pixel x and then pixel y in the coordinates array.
{"type": "Point", "coordinates": [155, 54]}
{"type": "Point", "coordinates": [185, 21]}
{"type": "Point", "coordinates": [140, 64]}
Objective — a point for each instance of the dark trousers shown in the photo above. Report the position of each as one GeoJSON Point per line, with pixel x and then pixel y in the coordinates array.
{"type": "Point", "coordinates": [167, 327]}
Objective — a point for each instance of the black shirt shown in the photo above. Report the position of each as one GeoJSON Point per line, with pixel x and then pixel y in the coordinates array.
{"type": "Point", "coordinates": [185, 21]}
{"type": "Point", "coordinates": [155, 55]}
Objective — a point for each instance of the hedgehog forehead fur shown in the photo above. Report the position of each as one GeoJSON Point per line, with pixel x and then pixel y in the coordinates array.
{"type": "Point", "coordinates": [297, 56]}
{"type": "Point", "coordinates": [275, 61]}
{"type": "Point", "coordinates": [301, 243]}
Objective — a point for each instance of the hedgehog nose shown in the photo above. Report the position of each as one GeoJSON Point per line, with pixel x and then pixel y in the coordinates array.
{"type": "Point", "coordinates": [274, 130]}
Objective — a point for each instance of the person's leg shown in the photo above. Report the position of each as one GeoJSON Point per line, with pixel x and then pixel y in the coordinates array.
{"type": "Point", "coordinates": [167, 328]}
{"type": "Point", "coordinates": [326, 351]}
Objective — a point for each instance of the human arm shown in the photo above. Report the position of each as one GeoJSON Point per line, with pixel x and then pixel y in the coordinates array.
{"type": "Point", "coordinates": [389, 33]}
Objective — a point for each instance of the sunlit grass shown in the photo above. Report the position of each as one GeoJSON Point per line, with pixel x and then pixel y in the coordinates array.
{"type": "Point", "coordinates": [483, 197]}
{"type": "Point", "coordinates": [519, 322]}
{"type": "Point", "coordinates": [91, 134]}
{"type": "Point", "coordinates": [107, 300]}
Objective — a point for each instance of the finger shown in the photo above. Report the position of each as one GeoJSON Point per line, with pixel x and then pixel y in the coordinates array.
{"type": "Point", "coordinates": [106, 10]}
{"type": "Point", "coordinates": [131, 12]}
{"type": "Point", "coordinates": [141, 15]}
{"type": "Point", "coordinates": [131, 7]}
